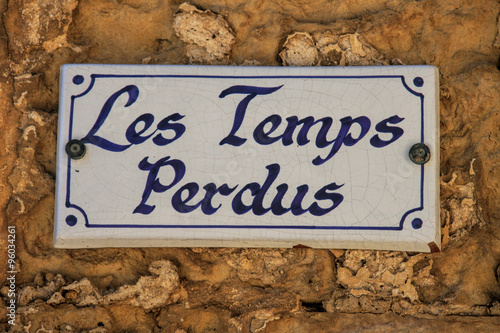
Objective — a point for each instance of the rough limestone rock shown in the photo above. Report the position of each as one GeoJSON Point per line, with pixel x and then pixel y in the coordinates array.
{"type": "Point", "coordinates": [37, 26]}
{"type": "Point", "coordinates": [207, 35]}
{"type": "Point", "coordinates": [328, 49]}
{"type": "Point", "coordinates": [81, 293]}
{"type": "Point", "coordinates": [150, 291]}
{"type": "Point", "coordinates": [253, 290]}
{"type": "Point", "coordinates": [299, 50]}
{"type": "Point", "coordinates": [30, 293]}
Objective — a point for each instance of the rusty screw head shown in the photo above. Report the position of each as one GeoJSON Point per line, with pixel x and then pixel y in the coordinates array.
{"type": "Point", "coordinates": [75, 149]}
{"type": "Point", "coordinates": [420, 153]}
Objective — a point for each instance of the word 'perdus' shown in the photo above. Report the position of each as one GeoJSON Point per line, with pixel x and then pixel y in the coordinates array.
{"type": "Point", "coordinates": [265, 133]}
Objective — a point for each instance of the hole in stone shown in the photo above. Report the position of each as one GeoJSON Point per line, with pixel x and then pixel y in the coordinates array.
{"type": "Point", "coordinates": [313, 306]}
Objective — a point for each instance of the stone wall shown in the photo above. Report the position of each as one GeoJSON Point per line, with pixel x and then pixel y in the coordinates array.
{"type": "Point", "coordinates": [253, 290]}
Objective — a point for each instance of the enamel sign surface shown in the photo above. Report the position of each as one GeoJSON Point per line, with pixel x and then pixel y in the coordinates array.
{"type": "Point", "coordinates": [326, 157]}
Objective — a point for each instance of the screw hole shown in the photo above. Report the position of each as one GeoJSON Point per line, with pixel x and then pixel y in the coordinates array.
{"type": "Point", "coordinates": [75, 149]}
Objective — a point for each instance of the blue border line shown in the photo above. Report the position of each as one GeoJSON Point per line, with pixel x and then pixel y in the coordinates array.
{"type": "Point", "coordinates": [396, 228]}
{"type": "Point", "coordinates": [68, 187]}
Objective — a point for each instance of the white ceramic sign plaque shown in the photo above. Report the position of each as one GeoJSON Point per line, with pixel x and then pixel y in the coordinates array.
{"type": "Point", "coordinates": [248, 157]}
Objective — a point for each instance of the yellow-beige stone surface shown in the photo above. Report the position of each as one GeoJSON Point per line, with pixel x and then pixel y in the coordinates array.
{"type": "Point", "coordinates": [253, 290]}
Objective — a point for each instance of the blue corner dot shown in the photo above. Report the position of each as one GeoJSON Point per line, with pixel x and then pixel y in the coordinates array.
{"type": "Point", "coordinates": [78, 79]}
{"type": "Point", "coordinates": [71, 220]}
{"type": "Point", "coordinates": [418, 81]}
{"type": "Point", "coordinates": [417, 223]}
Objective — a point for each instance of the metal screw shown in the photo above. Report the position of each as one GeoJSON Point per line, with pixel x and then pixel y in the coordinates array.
{"type": "Point", "coordinates": [420, 153]}
{"type": "Point", "coordinates": [75, 149]}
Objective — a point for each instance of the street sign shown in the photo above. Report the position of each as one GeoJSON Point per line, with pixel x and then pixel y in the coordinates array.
{"type": "Point", "coordinates": [325, 157]}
